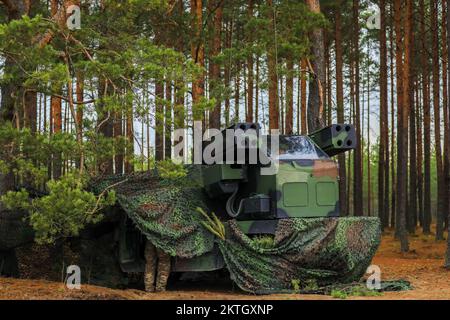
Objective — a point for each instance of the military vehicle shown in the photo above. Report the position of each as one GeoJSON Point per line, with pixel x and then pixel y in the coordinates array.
{"type": "Point", "coordinates": [305, 185]}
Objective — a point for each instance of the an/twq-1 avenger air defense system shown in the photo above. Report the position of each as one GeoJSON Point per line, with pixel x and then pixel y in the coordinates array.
{"type": "Point", "coordinates": [277, 198]}
{"type": "Point", "coordinates": [303, 184]}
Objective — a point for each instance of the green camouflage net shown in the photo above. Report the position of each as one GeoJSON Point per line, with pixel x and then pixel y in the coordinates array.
{"type": "Point", "coordinates": [325, 250]}
{"type": "Point", "coordinates": [164, 211]}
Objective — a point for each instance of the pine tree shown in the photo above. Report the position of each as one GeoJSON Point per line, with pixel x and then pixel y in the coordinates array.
{"type": "Point", "coordinates": [357, 161]}
{"type": "Point", "coordinates": [403, 76]}
{"type": "Point", "coordinates": [316, 93]}
{"type": "Point", "coordinates": [216, 10]}
{"type": "Point", "coordinates": [340, 105]}
{"type": "Point", "coordinates": [447, 255]}
{"type": "Point", "coordinates": [437, 118]}
{"type": "Point", "coordinates": [383, 164]}
{"type": "Point", "coordinates": [426, 225]}
{"type": "Point", "coordinates": [274, 120]}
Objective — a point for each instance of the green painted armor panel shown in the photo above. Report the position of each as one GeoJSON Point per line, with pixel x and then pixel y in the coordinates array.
{"type": "Point", "coordinates": [295, 194]}
{"type": "Point", "coordinates": [220, 172]}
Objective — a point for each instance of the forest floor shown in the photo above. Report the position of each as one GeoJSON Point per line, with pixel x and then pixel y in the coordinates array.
{"type": "Point", "coordinates": [422, 266]}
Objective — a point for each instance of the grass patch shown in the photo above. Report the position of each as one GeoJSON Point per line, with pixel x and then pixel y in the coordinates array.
{"type": "Point", "coordinates": [309, 285]}
{"type": "Point", "coordinates": [338, 294]}
{"type": "Point", "coordinates": [264, 241]}
{"type": "Point", "coordinates": [355, 291]}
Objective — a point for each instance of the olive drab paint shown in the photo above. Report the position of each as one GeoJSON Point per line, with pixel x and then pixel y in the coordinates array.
{"type": "Point", "coordinates": [305, 184]}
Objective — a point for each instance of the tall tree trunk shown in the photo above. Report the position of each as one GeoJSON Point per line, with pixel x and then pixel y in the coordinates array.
{"type": "Point", "coordinates": [426, 224]}
{"type": "Point", "coordinates": [179, 110]}
{"type": "Point", "coordinates": [79, 90]}
{"type": "Point", "coordinates": [350, 193]}
{"type": "Point", "coordinates": [383, 163]}
{"type": "Point", "coordinates": [315, 101]}
{"type": "Point", "coordinates": [179, 94]}
{"type": "Point", "coordinates": [159, 120]}
{"type": "Point", "coordinates": [105, 123]}
{"type": "Point", "coordinates": [274, 116]}
{"type": "Point", "coordinates": [118, 133]}
{"type": "Point", "coordinates": [411, 199]}
{"type": "Point", "coordinates": [447, 255]}
{"type": "Point", "coordinates": [30, 110]}
{"type": "Point", "coordinates": [329, 88]}
{"type": "Point", "coordinates": [250, 66]}
{"type": "Point", "coordinates": [400, 186]}
{"type": "Point", "coordinates": [8, 95]}
{"type": "Point", "coordinates": [303, 75]}
{"type": "Point", "coordinates": [80, 98]}
{"type": "Point", "coordinates": [39, 116]}
{"type": "Point", "coordinates": [56, 103]}
{"type": "Point", "coordinates": [403, 78]}
{"type": "Point", "coordinates": [237, 92]}
{"type": "Point", "coordinates": [168, 122]}
{"type": "Point", "coordinates": [419, 130]}
{"type": "Point", "coordinates": [412, 208]}
{"type": "Point", "coordinates": [129, 131]}
{"type": "Point", "coordinates": [198, 55]}
{"type": "Point", "coordinates": [393, 132]}
{"type": "Point", "coordinates": [437, 119]}
{"type": "Point", "coordinates": [357, 160]}
{"type": "Point", "coordinates": [446, 193]}
{"type": "Point", "coordinates": [179, 114]}
{"type": "Point", "coordinates": [214, 67]}
{"type": "Point", "coordinates": [326, 98]}
{"type": "Point", "coordinates": [290, 97]}
{"type": "Point", "coordinates": [227, 71]}
{"type": "Point", "coordinates": [340, 107]}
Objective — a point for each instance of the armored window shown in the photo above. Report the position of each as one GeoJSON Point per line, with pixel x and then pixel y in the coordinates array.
{"type": "Point", "coordinates": [299, 148]}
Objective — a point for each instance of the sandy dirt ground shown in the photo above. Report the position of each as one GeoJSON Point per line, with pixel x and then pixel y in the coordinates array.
{"type": "Point", "coordinates": [422, 266]}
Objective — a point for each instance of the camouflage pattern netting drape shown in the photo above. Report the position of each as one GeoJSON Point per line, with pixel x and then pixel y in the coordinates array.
{"type": "Point", "coordinates": [164, 211]}
{"type": "Point", "coordinates": [326, 250]}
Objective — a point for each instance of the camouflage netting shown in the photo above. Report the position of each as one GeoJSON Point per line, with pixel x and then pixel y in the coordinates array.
{"type": "Point", "coordinates": [326, 250]}
{"type": "Point", "coordinates": [164, 211]}
{"type": "Point", "coordinates": [323, 250]}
